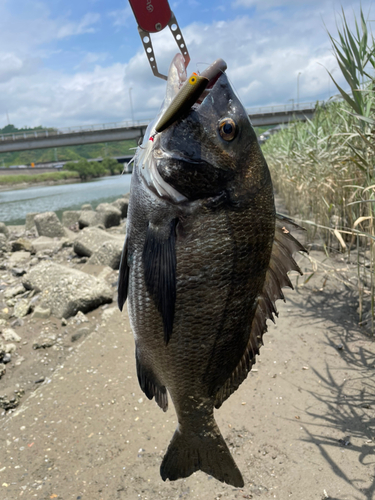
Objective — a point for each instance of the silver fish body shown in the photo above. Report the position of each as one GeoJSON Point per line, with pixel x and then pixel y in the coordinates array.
{"type": "Point", "coordinates": [204, 261]}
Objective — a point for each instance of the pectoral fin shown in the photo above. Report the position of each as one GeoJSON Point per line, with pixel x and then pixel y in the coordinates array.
{"type": "Point", "coordinates": [281, 262]}
{"type": "Point", "coordinates": [159, 262]}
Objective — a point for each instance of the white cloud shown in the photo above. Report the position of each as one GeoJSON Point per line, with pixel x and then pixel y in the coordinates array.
{"type": "Point", "coordinates": [264, 54]}
{"type": "Point", "coordinates": [84, 26]}
{"type": "Point", "coordinates": [120, 17]}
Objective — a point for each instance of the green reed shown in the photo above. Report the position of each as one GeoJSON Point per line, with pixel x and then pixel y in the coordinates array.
{"type": "Point", "coordinates": [325, 168]}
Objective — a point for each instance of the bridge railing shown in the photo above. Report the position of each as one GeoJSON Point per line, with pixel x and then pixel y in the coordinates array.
{"type": "Point", "coordinates": [287, 108]}
{"type": "Point", "coordinates": [50, 132]}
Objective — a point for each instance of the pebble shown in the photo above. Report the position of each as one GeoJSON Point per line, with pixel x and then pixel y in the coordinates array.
{"type": "Point", "coordinates": [82, 332]}
{"type": "Point", "coordinates": [21, 308]}
{"type": "Point", "coordinates": [18, 271]}
{"type": "Point", "coordinates": [7, 358]}
{"type": "Point", "coordinates": [10, 335]}
{"type": "Point", "coordinates": [9, 348]}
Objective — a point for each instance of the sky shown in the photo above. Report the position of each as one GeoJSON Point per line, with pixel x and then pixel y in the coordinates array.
{"type": "Point", "coordinates": [67, 63]}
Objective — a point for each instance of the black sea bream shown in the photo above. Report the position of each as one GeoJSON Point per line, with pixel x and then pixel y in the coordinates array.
{"type": "Point", "coordinates": [204, 261]}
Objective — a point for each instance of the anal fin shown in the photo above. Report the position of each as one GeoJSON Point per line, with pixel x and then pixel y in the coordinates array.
{"type": "Point", "coordinates": [150, 384]}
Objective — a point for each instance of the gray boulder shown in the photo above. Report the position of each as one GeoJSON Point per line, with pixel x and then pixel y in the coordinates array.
{"type": "Point", "coordinates": [110, 215]}
{"type": "Point", "coordinates": [29, 223]}
{"type": "Point", "coordinates": [90, 239]}
{"type": "Point", "coordinates": [122, 204]}
{"type": "Point", "coordinates": [22, 244]}
{"type": "Point", "coordinates": [44, 243]}
{"type": "Point", "coordinates": [48, 224]}
{"type": "Point", "coordinates": [4, 230]}
{"type": "Point", "coordinates": [70, 217]}
{"type": "Point", "coordinates": [108, 254]}
{"type": "Point", "coordinates": [66, 291]}
{"type": "Point", "coordinates": [89, 218]}
{"type": "Point", "coordinates": [4, 245]}
{"type": "Point", "coordinates": [21, 308]}
{"type": "Point", "coordinates": [86, 206]}
{"type": "Point", "coordinates": [41, 312]}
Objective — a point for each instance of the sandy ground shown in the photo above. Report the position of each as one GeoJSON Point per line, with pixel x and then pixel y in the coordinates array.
{"type": "Point", "coordinates": [300, 427]}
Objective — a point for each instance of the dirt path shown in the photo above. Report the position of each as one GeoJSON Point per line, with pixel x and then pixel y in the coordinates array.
{"type": "Point", "coordinates": [301, 426]}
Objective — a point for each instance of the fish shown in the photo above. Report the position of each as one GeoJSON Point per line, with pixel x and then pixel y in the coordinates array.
{"type": "Point", "coordinates": [204, 260]}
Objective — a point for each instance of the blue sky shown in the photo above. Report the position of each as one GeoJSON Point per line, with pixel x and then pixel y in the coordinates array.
{"type": "Point", "coordinates": [67, 63]}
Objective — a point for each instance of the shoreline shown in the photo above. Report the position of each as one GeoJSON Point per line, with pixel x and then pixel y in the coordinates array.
{"type": "Point", "coordinates": [26, 185]}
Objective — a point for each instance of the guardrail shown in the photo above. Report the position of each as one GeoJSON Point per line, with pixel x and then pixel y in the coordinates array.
{"type": "Point", "coordinates": [284, 108]}
{"type": "Point", "coordinates": [51, 132]}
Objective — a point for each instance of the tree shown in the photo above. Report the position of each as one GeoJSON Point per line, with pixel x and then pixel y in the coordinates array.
{"type": "Point", "coordinates": [112, 165]}
{"type": "Point", "coordinates": [82, 167]}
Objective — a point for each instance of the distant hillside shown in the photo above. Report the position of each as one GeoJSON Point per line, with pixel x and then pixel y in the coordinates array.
{"type": "Point", "coordinates": [87, 151]}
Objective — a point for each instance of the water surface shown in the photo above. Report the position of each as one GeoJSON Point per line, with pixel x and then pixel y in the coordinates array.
{"type": "Point", "coordinates": [14, 205]}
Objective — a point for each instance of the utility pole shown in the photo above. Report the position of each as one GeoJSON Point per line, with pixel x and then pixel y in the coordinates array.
{"type": "Point", "coordinates": [298, 89]}
{"type": "Point", "coordinates": [131, 104]}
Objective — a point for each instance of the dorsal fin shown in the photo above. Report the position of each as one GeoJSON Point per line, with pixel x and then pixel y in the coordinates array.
{"type": "Point", "coordinates": [281, 262]}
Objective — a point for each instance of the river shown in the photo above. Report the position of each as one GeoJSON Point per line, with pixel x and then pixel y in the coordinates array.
{"type": "Point", "coordinates": [14, 205]}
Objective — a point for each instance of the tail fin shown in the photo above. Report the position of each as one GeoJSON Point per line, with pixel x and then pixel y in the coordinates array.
{"type": "Point", "coordinates": [189, 452]}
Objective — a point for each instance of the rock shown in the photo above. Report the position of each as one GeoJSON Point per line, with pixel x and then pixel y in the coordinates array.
{"type": "Point", "coordinates": [2, 323]}
{"type": "Point", "coordinates": [10, 335]}
{"type": "Point", "coordinates": [21, 308]}
{"type": "Point", "coordinates": [87, 206]}
{"type": "Point", "coordinates": [48, 224]}
{"type": "Point", "coordinates": [110, 215]}
{"type": "Point", "coordinates": [4, 230]}
{"type": "Point", "coordinates": [5, 313]}
{"type": "Point", "coordinates": [2, 350]}
{"type": "Point", "coordinates": [19, 360]}
{"type": "Point", "coordinates": [34, 261]}
{"type": "Point", "coordinates": [70, 217]}
{"type": "Point", "coordinates": [108, 254]}
{"type": "Point", "coordinates": [18, 271]}
{"type": "Point", "coordinates": [122, 204]}
{"type": "Point", "coordinates": [82, 332]}
{"type": "Point", "coordinates": [108, 313]}
{"type": "Point", "coordinates": [18, 258]}
{"type": "Point", "coordinates": [7, 358]}
{"type": "Point", "coordinates": [41, 312]}
{"type": "Point", "coordinates": [22, 244]}
{"type": "Point", "coordinates": [29, 223]}
{"type": "Point", "coordinates": [9, 348]}
{"type": "Point", "coordinates": [44, 243]}
{"type": "Point", "coordinates": [17, 322]}
{"type": "Point", "coordinates": [2, 370]}
{"type": "Point", "coordinates": [91, 239]}
{"type": "Point", "coordinates": [89, 218]}
{"type": "Point", "coordinates": [66, 291]}
{"type": "Point", "coordinates": [45, 341]}
{"type": "Point", "coordinates": [4, 245]}
{"type": "Point", "coordinates": [13, 291]}
{"type": "Point", "coordinates": [78, 319]}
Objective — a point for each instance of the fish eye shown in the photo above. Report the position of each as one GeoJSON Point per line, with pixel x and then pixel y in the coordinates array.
{"type": "Point", "coordinates": [227, 129]}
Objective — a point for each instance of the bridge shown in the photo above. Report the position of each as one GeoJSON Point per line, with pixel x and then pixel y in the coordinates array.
{"type": "Point", "coordinates": [108, 132]}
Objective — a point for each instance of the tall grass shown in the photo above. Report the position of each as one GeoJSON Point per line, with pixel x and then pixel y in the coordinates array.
{"type": "Point", "coordinates": [325, 168]}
